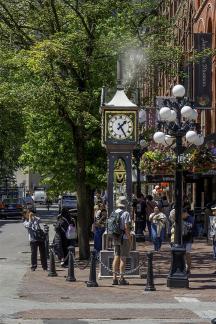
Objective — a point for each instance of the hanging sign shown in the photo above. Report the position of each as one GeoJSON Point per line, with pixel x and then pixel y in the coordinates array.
{"type": "Point", "coordinates": [203, 71]}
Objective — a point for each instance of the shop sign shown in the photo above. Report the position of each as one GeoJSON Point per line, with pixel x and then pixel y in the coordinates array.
{"type": "Point", "coordinates": [159, 178]}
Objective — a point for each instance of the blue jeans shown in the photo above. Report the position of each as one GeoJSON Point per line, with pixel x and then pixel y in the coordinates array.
{"type": "Point", "coordinates": [98, 238]}
{"type": "Point", "coordinates": [157, 240]}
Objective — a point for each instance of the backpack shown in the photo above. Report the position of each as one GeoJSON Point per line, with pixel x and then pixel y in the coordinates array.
{"type": "Point", "coordinates": [114, 224]}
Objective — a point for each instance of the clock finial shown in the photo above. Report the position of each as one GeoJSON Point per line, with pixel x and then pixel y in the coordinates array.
{"type": "Point", "coordinates": [120, 73]}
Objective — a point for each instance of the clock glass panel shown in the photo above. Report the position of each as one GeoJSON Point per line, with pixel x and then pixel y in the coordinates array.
{"type": "Point", "coordinates": [120, 126]}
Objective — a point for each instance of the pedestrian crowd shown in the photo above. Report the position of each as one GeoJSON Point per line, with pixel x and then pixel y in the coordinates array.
{"type": "Point", "coordinates": [152, 216]}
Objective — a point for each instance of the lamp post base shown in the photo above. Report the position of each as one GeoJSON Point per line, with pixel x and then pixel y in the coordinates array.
{"type": "Point", "coordinates": [177, 277]}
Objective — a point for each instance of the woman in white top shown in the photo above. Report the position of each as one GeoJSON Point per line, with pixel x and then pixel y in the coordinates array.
{"type": "Point", "coordinates": [158, 222]}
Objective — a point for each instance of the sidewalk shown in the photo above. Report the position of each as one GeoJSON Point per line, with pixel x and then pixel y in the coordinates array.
{"type": "Point", "coordinates": [73, 300]}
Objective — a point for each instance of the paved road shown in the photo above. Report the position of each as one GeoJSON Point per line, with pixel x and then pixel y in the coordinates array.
{"type": "Point", "coordinates": [33, 298]}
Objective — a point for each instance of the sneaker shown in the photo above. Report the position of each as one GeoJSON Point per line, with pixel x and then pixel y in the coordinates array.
{"type": "Point", "coordinates": [123, 282]}
{"type": "Point", "coordinates": [33, 268]}
{"type": "Point", "coordinates": [115, 282]}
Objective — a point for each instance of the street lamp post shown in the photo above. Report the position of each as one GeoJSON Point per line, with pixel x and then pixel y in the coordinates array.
{"type": "Point", "coordinates": [176, 121]}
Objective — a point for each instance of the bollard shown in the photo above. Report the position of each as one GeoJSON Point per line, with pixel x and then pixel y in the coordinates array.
{"type": "Point", "coordinates": [150, 277]}
{"type": "Point", "coordinates": [92, 276]}
{"type": "Point", "coordinates": [52, 269]}
{"type": "Point", "coordinates": [46, 231]}
{"type": "Point", "coordinates": [213, 321]}
{"type": "Point", "coordinates": [71, 276]}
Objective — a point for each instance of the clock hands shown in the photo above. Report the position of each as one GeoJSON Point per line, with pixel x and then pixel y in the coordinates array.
{"type": "Point", "coordinates": [120, 126]}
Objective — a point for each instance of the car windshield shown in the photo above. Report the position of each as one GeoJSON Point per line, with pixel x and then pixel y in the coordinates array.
{"type": "Point", "coordinates": [12, 201]}
{"type": "Point", "coordinates": [69, 198]}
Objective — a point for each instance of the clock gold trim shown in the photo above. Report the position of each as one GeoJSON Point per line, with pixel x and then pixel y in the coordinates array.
{"type": "Point", "coordinates": [133, 114]}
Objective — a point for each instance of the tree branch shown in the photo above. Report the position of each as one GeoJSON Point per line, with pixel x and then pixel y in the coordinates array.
{"type": "Point", "coordinates": [75, 9]}
{"type": "Point", "coordinates": [52, 3]}
{"type": "Point", "coordinates": [15, 25]}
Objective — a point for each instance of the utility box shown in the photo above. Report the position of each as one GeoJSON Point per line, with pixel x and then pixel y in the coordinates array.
{"type": "Point", "coordinates": [106, 258]}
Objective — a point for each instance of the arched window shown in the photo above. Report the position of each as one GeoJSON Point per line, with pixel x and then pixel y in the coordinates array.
{"type": "Point", "coordinates": [209, 30]}
{"type": "Point", "coordinates": [198, 4]}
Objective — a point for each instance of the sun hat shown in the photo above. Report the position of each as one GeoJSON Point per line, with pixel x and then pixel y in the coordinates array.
{"type": "Point", "coordinates": [213, 207]}
{"type": "Point", "coordinates": [120, 203]}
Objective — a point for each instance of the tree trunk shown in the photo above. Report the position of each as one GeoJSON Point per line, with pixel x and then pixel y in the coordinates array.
{"type": "Point", "coordinates": [82, 203]}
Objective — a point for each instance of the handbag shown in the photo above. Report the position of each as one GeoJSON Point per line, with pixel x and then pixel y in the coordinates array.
{"type": "Point", "coordinates": [71, 233]}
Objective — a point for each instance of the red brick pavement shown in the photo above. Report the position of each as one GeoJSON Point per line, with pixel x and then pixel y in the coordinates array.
{"type": "Point", "coordinates": [39, 287]}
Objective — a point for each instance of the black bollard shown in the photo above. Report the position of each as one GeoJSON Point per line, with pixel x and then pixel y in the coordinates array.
{"type": "Point", "coordinates": [213, 321]}
{"type": "Point", "coordinates": [71, 276]}
{"type": "Point", "coordinates": [150, 276]}
{"type": "Point", "coordinates": [46, 231]}
{"type": "Point", "coordinates": [52, 269]}
{"type": "Point", "coordinates": [92, 276]}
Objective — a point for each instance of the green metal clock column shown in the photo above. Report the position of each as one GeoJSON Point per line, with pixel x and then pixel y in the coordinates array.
{"type": "Point", "coordinates": [112, 157]}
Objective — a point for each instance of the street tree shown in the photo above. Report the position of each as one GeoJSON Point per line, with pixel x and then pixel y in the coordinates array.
{"type": "Point", "coordinates": [58, 54]}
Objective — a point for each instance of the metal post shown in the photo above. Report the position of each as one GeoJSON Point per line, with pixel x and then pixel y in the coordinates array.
{"type": "Point", "coordinates": [52, 269]}
{"type": "Point", "coordinates": [92, 276]}
{"type": "Point", "coordinates": [71, 276]}
{"type": "Point", "coordinates": [177, 277]}
{"type": "Point", "coordinates": [138, 174]}
{"type": "Point", "coordinates": [150, 276]}
{"type": "Point", "coordinates": [46, 231]}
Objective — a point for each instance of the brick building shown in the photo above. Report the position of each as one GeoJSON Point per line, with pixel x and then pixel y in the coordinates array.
{"type": "Point", "coordinates": [192, 17]}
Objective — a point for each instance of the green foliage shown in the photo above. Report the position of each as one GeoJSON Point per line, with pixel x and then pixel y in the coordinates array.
{"type": "Point", "coordinates": [56, 55]}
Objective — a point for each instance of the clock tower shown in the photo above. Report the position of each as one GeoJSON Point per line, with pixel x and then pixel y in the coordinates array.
{"type": "Point", "coordinates": [119, 136]}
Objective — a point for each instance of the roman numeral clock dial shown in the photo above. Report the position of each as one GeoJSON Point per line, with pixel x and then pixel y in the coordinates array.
{"type": "Point", "coordinates": [120, 126]}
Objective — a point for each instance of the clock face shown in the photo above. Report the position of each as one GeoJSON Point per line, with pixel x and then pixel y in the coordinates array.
{"type": "Point", "coordinates": [120, 126]}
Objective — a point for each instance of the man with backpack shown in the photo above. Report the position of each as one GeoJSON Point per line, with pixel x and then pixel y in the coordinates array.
{"type": "Point", "coordinates": [118, 225]}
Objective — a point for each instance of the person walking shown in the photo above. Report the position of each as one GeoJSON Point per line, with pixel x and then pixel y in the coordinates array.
{"type": "Point", "coordinates": [187, 234]}
{"type": "Point", "coordinates": [140, 216]}
{"type": "Point", "coordinates": [36, 238]}
{"type": "Point", "coordinates": [122, 244]}
{"type": "Point", "coordinates": [60, 240]}
{"type": "Point", "coordinates": [158, 222]}
{"type": "Point", "coordinates": [150, 205]}
{"type": "Point", "coordinates": [99, 228]}
{"type": "Point", "coordinates": [213, 232]}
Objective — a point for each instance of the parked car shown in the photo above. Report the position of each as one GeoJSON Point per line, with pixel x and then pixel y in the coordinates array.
{"type": "Point", "coordinates": [12, 207]}
{"type": "Point", "coordinates": [68, 201]}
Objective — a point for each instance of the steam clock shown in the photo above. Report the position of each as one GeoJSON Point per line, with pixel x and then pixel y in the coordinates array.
{"type": "Point", "coordinates": [119, 136]}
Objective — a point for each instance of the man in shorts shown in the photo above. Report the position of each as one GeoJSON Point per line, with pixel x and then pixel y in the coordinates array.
{"type": "Point", "coordinates": [122, 245]}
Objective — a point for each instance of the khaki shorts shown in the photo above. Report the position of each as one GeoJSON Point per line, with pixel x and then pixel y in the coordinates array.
{"type": "Point", "coordinates": [122, 249]}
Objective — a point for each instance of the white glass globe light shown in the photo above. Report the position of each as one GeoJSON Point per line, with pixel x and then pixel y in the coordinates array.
{"type": "Point", "coordinates": [169, 140]}
{"type": "Point", "coordinates": [159, 137]}
{"type": "Point", "coordinates": [194, 115]}
{"type": "Point", "coordinates": [178, 91]}
{"type": "Point", "coordinates": [191, 136]}
{"type": "Point", "coordinates": [165, 113]}
{"type": "Point", "coordinates": [142, 116]}
{"type": "Point", "coordinates": [187, 112]}
{"type": "Point", "coordinates": [199, 140]}
{"type": "Point", "coordinates": [172, 117]}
